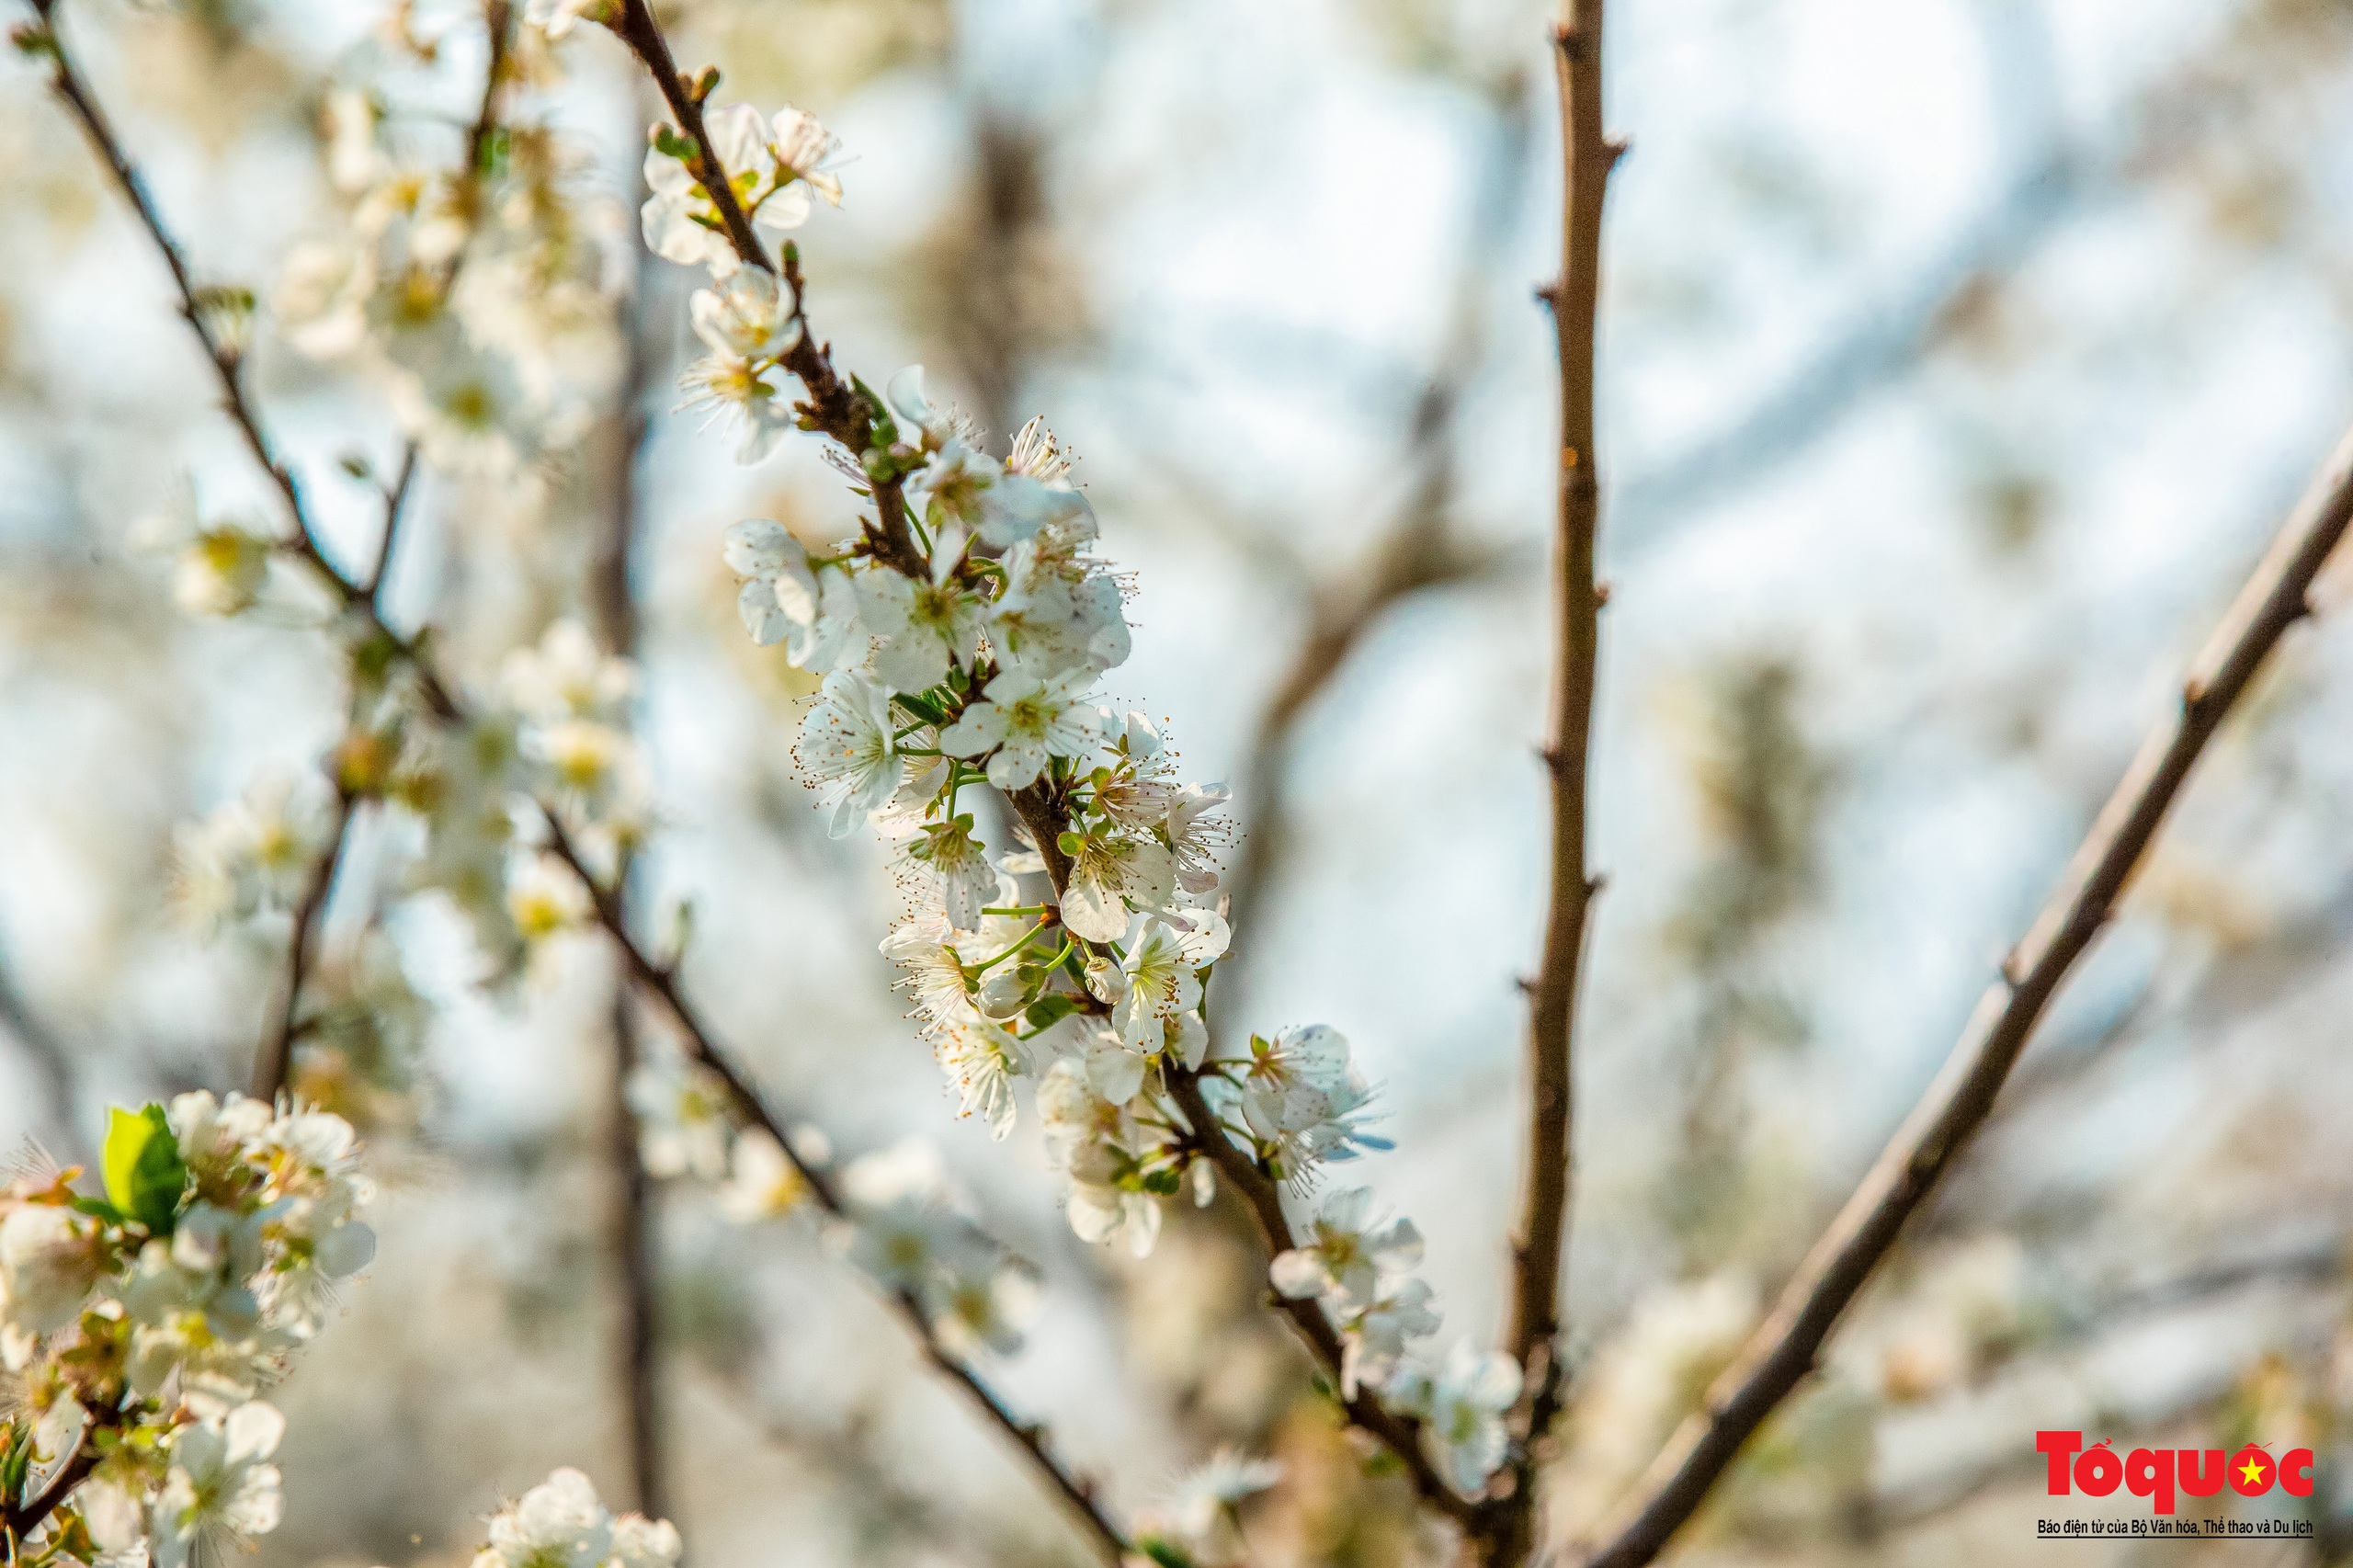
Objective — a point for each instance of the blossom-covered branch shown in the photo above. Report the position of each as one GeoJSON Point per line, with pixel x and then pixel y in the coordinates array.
{"type": "Point", "coordinates": [1783, 1349]}
{"type": "Point", "coordinates": [959, 636]}
{"type": "Point", "coordinates": [565, 692]}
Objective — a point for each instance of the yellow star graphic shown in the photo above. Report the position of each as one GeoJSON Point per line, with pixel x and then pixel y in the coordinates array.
{"type": "Point", "coordinates": [2253, 1470]}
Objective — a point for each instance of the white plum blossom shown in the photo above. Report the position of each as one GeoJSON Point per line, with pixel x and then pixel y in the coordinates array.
{"type": "Point", "coordinates": [1210, 1491]}
{"type": "Point", "coordinates": [566, 675]}
{"type": "Point", "coordinates": [774, 167]}
{"type": "Point", "coordinates": [921, 626]}
{"type": "Point", "coordinates": [1194, 840]}
{"type": "Point", "coordinates": [1110, 872]}
{"type": "Point", "coordinates": [805, 153]}
{"type": "Point", "coordinates": [749, 319]}
{"type": "Point", "coordinates": [682, 1118]}
{"type": "Point", "coordinates": [1462, 1410]}
{"type": "Point", "coordinates": [220, 1489]}
{"type": "Point", "coordinates": [1346, 1259]}
{"type": "Point", "coordinates": [1163, 980]}
{"type": "Point", "coordinates": [810, 608]}
{"type": "Point", "coordinates": [978, 1302]}
{"type": "Point", "coordinates": [849, 749]}
{"type": "Point", "coordinates": [545, 899]}
{"type": "Point", "coordinates": [467, 409]}
{"type": "Point", "coordinates": [1023, 723]}
{"type": "Point", "coordinates": [960, 860]}
{"type": "Point", "coordinates": [981, 1059]}
{"type": "Point", "coordinates": [51, 1259]}
{"type": "Point", "coordinates": [763, 1181]}
{"type": "Point", "coordinates": [932, 971]}
{"type": "Point", "coordinates": [1088, 1137]}
{"type": "Point", "coordinates": [562, 1524]}
{"type": "Point", "coordinates": [931, 426]}
{"type": "Point", "coordinates": [680, 223]}
{"type": "Point", "coordinates": [556, 18]}
{"type": "Point", "coordinates": [557, 1524]}
{"type": "Point", "coordinates": [1304, 1097]}
{"type": "Point", "coordinates": [253, 853]}
{"type": "Point", "coordinates": [749, 315]}
{"type": "Point", "coordinates": [640, 1543]}
{"type": "Point", "coordinates": [221, 566]}
{"type": "Point", "coordinates": [1375, 1338]}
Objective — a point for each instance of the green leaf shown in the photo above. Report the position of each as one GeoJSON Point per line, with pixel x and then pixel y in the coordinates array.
{"type": "Point", "coordinates": [15, 1462]}
{"type": "Point", "coordinates": [144, 1176]}
{"type": "Point", "coordinates": [1049, 1010]}
{"type": "Point", "coordinates": [919, 705]}
{"type": "Point", "coordinates": [1163, 1551]}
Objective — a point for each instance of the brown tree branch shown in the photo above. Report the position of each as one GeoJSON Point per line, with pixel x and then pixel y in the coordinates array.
{"type": "Point", "coordinates": [1784, 1348]}
{"type": "Point", "coordinates": [1540, 1236]}
{"type": "Point", "coordinates": [1402, 1434]}
{"type": "Point", "coordinates": [19, 1520]}
{"type": "Point", "coordinates": [276, 1055]}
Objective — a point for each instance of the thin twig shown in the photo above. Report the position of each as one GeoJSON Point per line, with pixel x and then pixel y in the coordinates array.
{"type": "Point", "coordinates": [275, 1057]}
{"type": "Point", "coordinates": [395, 508]}
{"type": "Point", "coordinates": [1783, 1350]}
{"type": "Point", "coordinates": [1260, 1191]}
{"type": "Point", "coordinates": [1540, 1235]}
{"type": "Point", "coordinates": [306, 543]}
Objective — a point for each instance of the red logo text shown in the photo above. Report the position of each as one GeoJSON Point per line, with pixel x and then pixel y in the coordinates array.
{"type": "Point", "coordinates": [2157, 1473]}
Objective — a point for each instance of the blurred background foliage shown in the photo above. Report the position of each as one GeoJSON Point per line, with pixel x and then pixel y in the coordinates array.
{"type": "Point", "coordinates": [1958, 356]}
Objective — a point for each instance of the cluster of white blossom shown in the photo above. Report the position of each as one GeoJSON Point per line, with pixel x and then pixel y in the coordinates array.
{"type": "Point", "coordinates": [966, 652]}
{"type": "Point", "coordinates": [253, 853]}
{"type": "Point", "coordinates": [491, 364]}
{"type": "Point", "coordinates": [1199, 1523]}
{"type": "Point", "coordinates": [478, 295]}
{"type": "Point", "coordinates": [910, 1232]}
{"type": "Point", "coordinates": [689, 1128]}
{"type": "Point", "coordinates": [140, 1327]}
{"type": "Point", "coordinates": [569, 701]}
{"type": "Point", "coordinates": [560, 1523]}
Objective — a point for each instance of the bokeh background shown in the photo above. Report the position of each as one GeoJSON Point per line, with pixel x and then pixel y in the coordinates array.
{"type": "Point", "coordinates": [1959, 358]}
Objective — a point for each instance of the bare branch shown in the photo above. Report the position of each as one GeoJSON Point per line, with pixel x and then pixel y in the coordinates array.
{"type": "Point", "coordinates": [274, 1057]}
{"type": "Point", "coordinates": [1540, 1236]}
{"type": "Point", "coordinates": [1783, 1350]}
